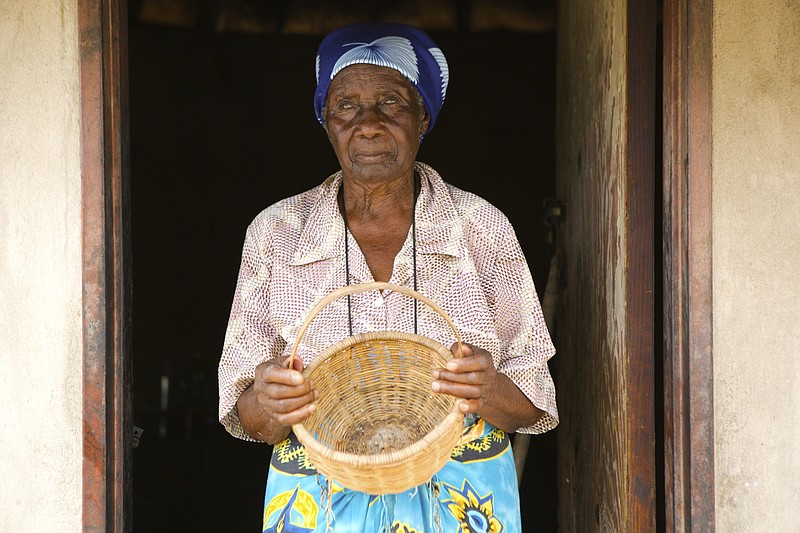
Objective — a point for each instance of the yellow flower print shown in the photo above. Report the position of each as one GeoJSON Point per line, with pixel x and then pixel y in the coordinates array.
{"type": "Point", "coordinates": [475, 513]}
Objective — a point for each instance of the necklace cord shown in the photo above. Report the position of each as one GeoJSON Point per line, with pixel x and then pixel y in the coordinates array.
{"type": "Point", "coordinates": [417, 186]}
{"type": "Point", "coordinates": [346, 258]}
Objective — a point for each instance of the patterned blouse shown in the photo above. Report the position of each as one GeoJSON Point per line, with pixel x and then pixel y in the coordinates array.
{"type": "Point", "coordinates": [468, 261]}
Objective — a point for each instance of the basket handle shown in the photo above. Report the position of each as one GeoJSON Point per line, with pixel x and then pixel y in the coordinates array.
{"type": "Point", "coordinates": [364, 287]}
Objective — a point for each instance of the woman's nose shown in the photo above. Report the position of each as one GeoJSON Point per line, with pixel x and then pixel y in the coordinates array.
{"type": "Point", "coordinates": [369, 120]}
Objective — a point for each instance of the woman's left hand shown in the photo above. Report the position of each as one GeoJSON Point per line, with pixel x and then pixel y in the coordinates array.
{"type": "Point", "coordinates": [470, 375]}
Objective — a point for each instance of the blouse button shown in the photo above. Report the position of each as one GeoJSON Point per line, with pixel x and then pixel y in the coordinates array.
{"type": "Point", "coordinates": [378, 302]}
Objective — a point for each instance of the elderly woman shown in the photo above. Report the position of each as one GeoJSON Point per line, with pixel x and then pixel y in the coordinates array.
{"type": "Point", "coordinates": [387, 217]}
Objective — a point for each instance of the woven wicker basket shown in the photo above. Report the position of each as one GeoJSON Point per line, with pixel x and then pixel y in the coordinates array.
{"type": "Point", "coordinates": [378, 428]}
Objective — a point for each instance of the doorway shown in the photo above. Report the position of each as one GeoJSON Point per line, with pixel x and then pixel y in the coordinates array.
{"type": "Point", "coordinates": [221, 126]}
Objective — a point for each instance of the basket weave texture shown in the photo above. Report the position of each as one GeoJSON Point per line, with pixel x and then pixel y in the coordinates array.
{"type": "Point", "coordinates": [378, 428]}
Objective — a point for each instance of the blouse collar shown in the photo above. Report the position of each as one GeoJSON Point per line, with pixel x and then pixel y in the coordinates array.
{"type": "Point", "coordinates": [439, 230]}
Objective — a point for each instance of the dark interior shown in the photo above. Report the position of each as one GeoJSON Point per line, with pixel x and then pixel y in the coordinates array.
{"type": "Point", "coordinates": [222, 125]}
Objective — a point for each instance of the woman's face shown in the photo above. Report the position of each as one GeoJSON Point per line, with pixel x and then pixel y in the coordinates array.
{"type": "Point", "coordinates": [374, 118]}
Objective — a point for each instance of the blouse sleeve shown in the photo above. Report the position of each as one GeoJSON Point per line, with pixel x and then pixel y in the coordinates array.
{"type": "Point", "coordinates": [250, 338]}
{"type": "Point", "coordinates": [526, 345]}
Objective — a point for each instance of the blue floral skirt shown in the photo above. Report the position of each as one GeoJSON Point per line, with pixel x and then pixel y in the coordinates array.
{"type": "Point", "coordinates": [475, 492]}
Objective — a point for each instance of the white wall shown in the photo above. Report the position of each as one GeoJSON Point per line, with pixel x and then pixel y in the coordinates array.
{"type": "Point", "coordinates": [40, 282]}
{"type": "Point", "coordinates": [756, 262]}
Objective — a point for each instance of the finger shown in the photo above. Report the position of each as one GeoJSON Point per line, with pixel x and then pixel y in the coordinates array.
{"type": "Point", "coordinates": [289, 405]}
{"type": "Point", "coordinates": [461, 350]}
{"type": "Point", "coordinates": [270, 391]}
{"type": "Point", "coordinates": [294, 363]}
{"type": "Point", "coordinates": [296, 416]}
{"type": "Point", "coordinates": [474, 369]}
{"type": "Point", "coordinates": [459, 390]}
{"type": "Point", "coordinates": [468, 406]}
{"type": "Point", "coordinates": [274, 373]}
{"type": "Point", "coordinates": [473, 363]}
{"type": "Point", "coordinates": [464, 378]}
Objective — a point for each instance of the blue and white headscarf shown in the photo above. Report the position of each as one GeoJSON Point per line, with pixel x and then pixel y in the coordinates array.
{"type": "Point", "coordinates": [406, 49]}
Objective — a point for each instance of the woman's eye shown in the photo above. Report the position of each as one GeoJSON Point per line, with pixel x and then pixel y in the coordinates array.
{"type": "Point", "coordinates": [390, 101]}
{"type": "Point", "coordinates": [345, 105]}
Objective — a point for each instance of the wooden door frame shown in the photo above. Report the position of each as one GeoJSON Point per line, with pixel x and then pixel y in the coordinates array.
{"type": "Point", "coordinates": [687, 236]}
{"type": "Point", "coordinates": [639, 279]}
{"type": "Point", "coordinates": [106, 258]}
{"type": "Point", "coordinates": [688, 376]}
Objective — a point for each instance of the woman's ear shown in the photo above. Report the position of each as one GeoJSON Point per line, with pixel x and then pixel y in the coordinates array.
{"type": "Point", "coordinates": [423, 123]}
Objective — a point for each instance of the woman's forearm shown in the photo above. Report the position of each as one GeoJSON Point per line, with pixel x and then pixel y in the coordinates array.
{"type": "Point", "coordinates": [507, 408]}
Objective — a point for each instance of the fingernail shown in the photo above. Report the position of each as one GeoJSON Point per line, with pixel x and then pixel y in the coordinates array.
{"type": "Point", "coordinates": [435, 386]}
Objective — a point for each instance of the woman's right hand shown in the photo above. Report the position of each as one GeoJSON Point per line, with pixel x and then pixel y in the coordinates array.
{"type": "Point", "coordinates": [278, 398]}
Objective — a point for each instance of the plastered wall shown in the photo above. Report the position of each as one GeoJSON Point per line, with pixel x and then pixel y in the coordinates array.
{"type": "Point", "coordinates": [756, 262]}
{"type": "Point", "coordinates": [40, 284]}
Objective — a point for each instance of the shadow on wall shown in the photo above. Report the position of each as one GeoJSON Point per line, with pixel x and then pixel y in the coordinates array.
{"type": "Point", "coordinates": [222, 125]}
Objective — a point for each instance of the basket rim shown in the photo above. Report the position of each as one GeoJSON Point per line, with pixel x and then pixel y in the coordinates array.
{"type": "Point", "coordinates": [374, 336]}
{"type": "Point", "coordinates": [365, 287]}
{"type": "Point", "coordinates": [441, 428]}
